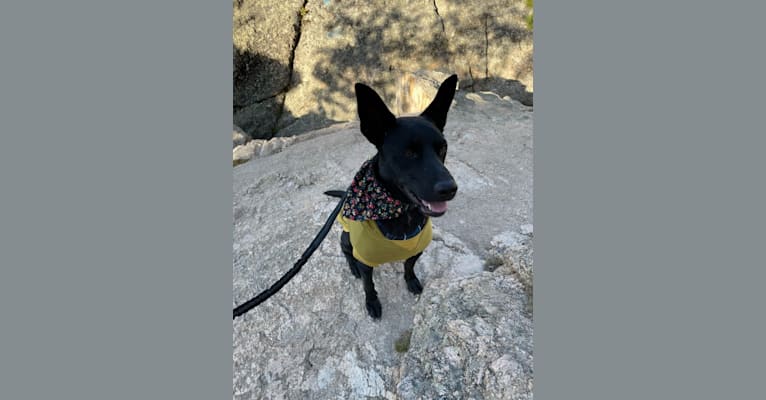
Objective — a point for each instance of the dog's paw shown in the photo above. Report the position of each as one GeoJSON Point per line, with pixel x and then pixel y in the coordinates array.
{"type": "Point", "coordinates": [414, 286]}
{"type": "Point", "coordinates": [374, 308]}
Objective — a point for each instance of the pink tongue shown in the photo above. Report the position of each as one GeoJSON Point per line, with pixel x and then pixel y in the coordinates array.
{"type": "Point", "coordinates": [437, 206]}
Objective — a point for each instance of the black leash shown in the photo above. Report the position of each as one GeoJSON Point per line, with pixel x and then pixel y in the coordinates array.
{"type": "Point", "coordinates": [255, 301]}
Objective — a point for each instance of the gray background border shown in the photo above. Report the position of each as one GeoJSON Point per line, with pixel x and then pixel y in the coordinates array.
{"type": "Point", "coordinates": [649, 196]}
{"type": "Point", "coordinates": [115, 235]}
{"type": "Point", "coordinates": [115, 166]}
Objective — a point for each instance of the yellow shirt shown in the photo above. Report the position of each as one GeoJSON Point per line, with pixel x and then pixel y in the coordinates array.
{"type": "Point", "coordinates": [373, 249]}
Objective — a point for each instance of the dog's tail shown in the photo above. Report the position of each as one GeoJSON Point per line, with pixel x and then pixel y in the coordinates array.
{"type": "Point", "coordinates": [335, 193]}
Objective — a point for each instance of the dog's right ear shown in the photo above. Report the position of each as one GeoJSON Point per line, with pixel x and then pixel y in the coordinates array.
{"type": "Point", "coordinates": [374, 117]}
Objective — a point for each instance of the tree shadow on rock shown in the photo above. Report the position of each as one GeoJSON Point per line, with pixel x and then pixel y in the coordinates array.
{"type": "Point", "coordinates": [358, 46]}
{"type": "Point", "coordinates": [379, 45]}
{"type": "Point", "coordinates": [260, 83]}
{"type": "Point", "coordinates": [260, 86]}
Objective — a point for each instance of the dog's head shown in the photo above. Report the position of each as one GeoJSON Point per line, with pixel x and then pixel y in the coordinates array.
{"type": "Point", "coordinates": [411, 150]}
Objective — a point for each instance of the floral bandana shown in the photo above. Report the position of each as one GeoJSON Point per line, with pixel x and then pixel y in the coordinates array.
{"type": "Point", "coordinates": [367, 199]}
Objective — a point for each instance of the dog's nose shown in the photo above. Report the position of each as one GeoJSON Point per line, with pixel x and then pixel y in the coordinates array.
{"type": "Point", "coordinates": [446, 189]}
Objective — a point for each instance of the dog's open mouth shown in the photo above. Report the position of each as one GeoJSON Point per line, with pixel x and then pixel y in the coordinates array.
{"type": "Point", "coordinates": [429, 208]}
{"type": "Point", "coordinates": [433, 208]}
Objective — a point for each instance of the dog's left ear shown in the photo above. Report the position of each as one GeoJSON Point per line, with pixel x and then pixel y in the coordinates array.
{"type": "Point", "coordinates": [437, 110]}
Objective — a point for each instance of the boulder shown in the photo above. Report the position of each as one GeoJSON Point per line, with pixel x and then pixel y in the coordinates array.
{"type": "Point", "coordinates": [358, 41]}
{"type": "Point", "coordinates": [259, 148]}
{"type": "Point", "coordinates": [264, 35]}
{"type": "Point", "coordinates": [264, 147]}
{"type": "Point", "coordinates": [504, 87]}
{"type": "Point", "coordinates": [489, 39]}
{"type": "Point", "coordinates": [313, 53]}
{"type": "Point", "coordinates": [259, 119]}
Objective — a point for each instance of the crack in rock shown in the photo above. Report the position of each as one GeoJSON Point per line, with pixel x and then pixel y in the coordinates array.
{"type": "Point", "coordinates": [290, 66]}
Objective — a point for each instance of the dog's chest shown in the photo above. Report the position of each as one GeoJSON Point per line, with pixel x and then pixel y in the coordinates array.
{"type": "Point", "coordinates": [406, 226]}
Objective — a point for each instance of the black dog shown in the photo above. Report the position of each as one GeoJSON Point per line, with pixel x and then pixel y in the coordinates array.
{"type": "Point", "coordinates": [387, 210]}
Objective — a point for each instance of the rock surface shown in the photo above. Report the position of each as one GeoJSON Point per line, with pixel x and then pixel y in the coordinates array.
{"type": "Point", "coordinates": [471, 339]}
{"type": "Point", "coordinates": [468, 335]}
{"type": "Point", "coordinates": [296, 61]}
{"type": "Point", "coordinates": [264, 35]}
{"type": "Point", "coordinates": [262, 147]}
{"type": "Point", "coordinates": [239, 137]}
{"type": "Point", "coordinates": [489, 39]}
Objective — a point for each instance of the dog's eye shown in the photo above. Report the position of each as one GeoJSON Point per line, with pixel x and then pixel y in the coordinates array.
{"type": "Point", "coordinates": [410, 153]}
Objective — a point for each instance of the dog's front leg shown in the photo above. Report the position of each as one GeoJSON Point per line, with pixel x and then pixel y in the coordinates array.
{"type": "Point", "coordinates": [348, 252]}
{"type": "Point", "coordinates": [371, 296]}
{"type": "Point", "coordinates": [413, 283]}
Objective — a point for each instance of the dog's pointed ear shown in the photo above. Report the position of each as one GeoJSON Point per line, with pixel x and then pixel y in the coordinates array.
{"type": "Point", "coordinates": [374, 117]}
{"type": "Point", "coordinates": [437, 110]}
